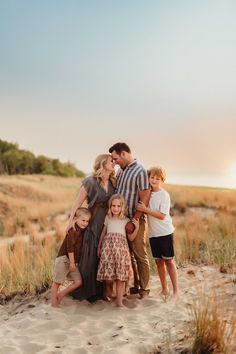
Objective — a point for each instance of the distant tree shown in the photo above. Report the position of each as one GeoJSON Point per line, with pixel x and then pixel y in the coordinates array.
{"type": "Point", "coordinates": [12, 161]}
{"type": "Point", "coordinates": [16, 161]}
{"type": "Point", "coordinates": [80, 173]}
{"type": "Point", "coordinates": [27, 162]}
{"type": "Point", "coordinates": [2, 168]}
{"type": "Point", "coordinates": [43, 165]}
{"type": "Point", "coordinates": [5, 146]}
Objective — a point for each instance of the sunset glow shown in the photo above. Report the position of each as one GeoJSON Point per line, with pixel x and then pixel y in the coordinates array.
{"type": "Point", "coordinates": [158, 75]}
{"type": "Point", "coordinates": [233, 171]}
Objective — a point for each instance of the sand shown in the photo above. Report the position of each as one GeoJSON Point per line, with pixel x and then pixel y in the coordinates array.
{"type": "Point", "coordinates": [152, 325]}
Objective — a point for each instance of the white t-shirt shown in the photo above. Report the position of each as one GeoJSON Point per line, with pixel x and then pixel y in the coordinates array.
{"type": "Point", "coordinates": [160, 201]}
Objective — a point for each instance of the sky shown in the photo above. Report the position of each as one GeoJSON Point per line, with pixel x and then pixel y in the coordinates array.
{"type": "Point", "coordinates": [78, 76]}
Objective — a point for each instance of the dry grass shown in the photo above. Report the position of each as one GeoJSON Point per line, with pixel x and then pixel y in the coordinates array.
{"type": "Point", "coordinates": [33, 199]}
{"type": "Point", "coordinates": [214, 323]}
{"type": "Point", "coordinates": [27, 267]}
{"type": "Point", "coordinates": [210, 240]}
{"type": "Point", "coordinates": [221, 199]}
{"type": "Point", "coordinates": [29, 205]}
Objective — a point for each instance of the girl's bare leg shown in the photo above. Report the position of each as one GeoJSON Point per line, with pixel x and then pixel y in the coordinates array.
{"type": "Point", "coordinates": [54, 290]}
{"type": "Point", "coordinates": [68, 289]}
{"type": "Point", "coordinates": [119, 293]}
{"type": "Point", "coordinates": [162, 275]}
{"type": "Point", "coordinates": [108, 290]}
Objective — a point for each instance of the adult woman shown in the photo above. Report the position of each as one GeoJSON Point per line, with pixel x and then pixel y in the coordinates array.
{"type": "Point", "coordinates": [97, 189]}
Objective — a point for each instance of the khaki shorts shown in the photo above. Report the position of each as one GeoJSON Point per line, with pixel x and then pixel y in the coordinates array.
{"type": "Point", "coordinates": [62, 265]}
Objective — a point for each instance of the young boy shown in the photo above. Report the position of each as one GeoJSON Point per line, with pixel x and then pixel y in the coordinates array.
{"type": "Point", "coordinates": [68, 256]}
{"type": "Point", "coordinates": [161, 229]}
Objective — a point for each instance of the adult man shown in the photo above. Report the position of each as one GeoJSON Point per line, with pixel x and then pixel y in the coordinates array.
{"type": "Point", "coordinates": [132, 183]}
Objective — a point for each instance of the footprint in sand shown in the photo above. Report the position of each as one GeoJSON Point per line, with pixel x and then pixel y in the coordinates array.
{"type": "Point", "coordinates": [31, 348]}
{"type": "Point", "coordinates": [131, 304]}
{"type": "Point", "coordinates": [50, 325]}
{"type": "Point", "coordinates": [148, 302]}
{"type": "Point", "coordinates": [9, 349]}
{"type": "Point", "coordinates": [81, 351]}
{"type": "Point", "coordinates": [56, 338]}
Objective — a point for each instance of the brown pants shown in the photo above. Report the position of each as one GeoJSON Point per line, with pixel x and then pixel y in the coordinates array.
{"type": "Point", "coordinates": [140, 261]}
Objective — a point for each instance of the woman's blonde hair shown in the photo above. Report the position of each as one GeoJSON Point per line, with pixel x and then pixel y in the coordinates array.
{"type": "Point", "coordinates": [99, 169]}
{"type": "Point", "coordinates": [124, 207]}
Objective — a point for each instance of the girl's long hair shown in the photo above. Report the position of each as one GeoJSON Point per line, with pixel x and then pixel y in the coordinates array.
{"type": "Point", "coordinates": [124, 207]}
{"type": "Point", "coordinates": [99, 169]}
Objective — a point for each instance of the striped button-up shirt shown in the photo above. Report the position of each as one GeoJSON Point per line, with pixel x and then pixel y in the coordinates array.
{"type": "Point", "coordinates": [130, 180]}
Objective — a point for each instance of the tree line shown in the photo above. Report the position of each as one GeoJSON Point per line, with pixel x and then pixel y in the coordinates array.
{"type": "Point", "coordinates": [17, 161]}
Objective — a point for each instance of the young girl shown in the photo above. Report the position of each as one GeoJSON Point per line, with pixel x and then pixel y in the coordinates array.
{"type": "Point", "coordinates": [113, 249]}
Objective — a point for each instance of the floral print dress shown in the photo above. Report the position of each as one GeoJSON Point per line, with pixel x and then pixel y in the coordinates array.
{"type": "Point", "coordinates": [115, 261]}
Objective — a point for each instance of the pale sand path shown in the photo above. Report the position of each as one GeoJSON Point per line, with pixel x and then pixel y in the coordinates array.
{"type": "Point", "coordinates": [31, 325]}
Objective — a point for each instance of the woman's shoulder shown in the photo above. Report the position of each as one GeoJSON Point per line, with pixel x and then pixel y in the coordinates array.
{"type": "Point", "coordinates": [89, 179]}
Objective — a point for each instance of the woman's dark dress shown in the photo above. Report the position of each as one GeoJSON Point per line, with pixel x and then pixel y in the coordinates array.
{"type": "Point", "coordinates": [91, 289]}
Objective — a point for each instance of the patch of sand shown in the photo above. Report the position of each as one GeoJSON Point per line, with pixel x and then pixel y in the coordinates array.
{"type": "Point", "coordinates": [151, 325]}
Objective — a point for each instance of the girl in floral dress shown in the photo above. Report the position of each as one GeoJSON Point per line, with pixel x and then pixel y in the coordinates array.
{"type": "Point", "coordinates": [113, 249]}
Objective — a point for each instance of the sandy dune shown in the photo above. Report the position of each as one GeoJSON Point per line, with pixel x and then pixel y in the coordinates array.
{"type": "Point", "coordinates": [31, 325]}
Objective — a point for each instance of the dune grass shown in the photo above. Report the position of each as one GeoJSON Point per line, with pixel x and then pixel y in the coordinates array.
{"type": "Point", "coordinates": [27, 267]}
{"type": "Point", "coordinates": [30, 201]}
{"type": "Point", "coordinates": [214, 322]}
{"type": "Point", "coordinates": [30, 204]}
{"type": "Point", "coordinates": [209, 240]}
{"type": "Point", "coordinates": [221, 199]}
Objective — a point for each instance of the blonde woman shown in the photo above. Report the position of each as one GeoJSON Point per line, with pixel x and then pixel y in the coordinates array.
{"type": "Point", "coordinates": [97, 189]}
{"type": "Point", "coordinates": [113, 249]}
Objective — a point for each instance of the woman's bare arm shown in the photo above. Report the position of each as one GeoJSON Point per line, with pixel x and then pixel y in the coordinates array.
{"type": "Point", "coordinates": [77, 204]}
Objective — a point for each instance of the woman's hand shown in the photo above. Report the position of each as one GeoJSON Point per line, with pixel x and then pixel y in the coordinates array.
{"type": "Point", "coordinates": [77, 204]}
{"type": "Point", "coordinates": [69, 226]}
{"type": "Point", "coordinates": [141, 207]}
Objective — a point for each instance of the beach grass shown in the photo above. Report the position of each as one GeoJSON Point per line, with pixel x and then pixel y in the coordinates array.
{"type": "Point", "coordinates": [214, 322]}
{"type": "Point", "coordinates": [30, 200]}
{"type": "Point", "coordinates": [30, 205]}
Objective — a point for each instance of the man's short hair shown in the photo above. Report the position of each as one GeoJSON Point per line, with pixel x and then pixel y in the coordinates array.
{"type": "Point", "coordinates": [118, 147]}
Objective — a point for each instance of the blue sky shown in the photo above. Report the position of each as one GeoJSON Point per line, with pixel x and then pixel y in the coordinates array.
{"type": "Point", "coordinates": [77, 76]}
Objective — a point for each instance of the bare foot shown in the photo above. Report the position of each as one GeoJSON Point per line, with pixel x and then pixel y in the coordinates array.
{"type": "Point", "coordinates": [175, 296]}
{"type": "Point", "coordinates": [107, 298]}
{"type": "Point", "coordinates": [59, 298]}
{"type": "Point", "coordinates": [164, 293]}
{"type": "Point", "coordinates": [86, 302]}
{"type": "Point", "coordinates": [54, 304]}
{"type": "Point", "coordinates": [143, 296]}
{"type": "Point", "coordinates": [121, 306]}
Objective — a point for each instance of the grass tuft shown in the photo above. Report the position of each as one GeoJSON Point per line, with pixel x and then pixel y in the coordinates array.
{"type": "Point", "coordinates": [213, 324]}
